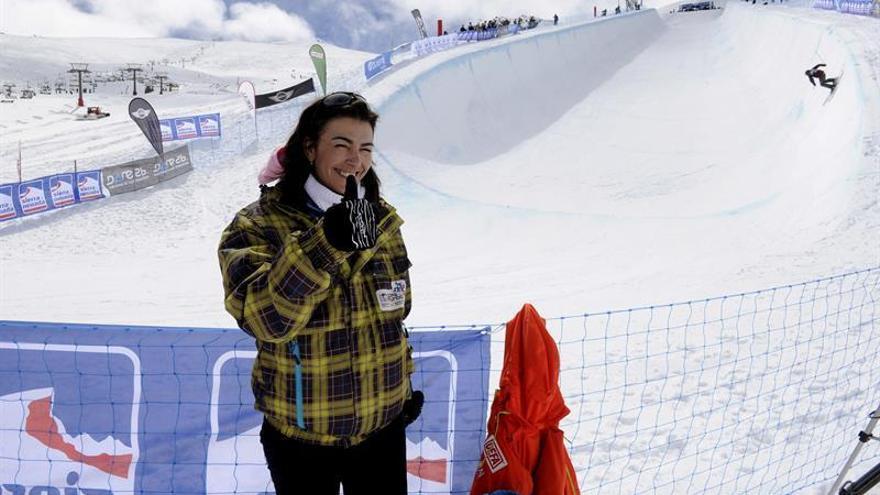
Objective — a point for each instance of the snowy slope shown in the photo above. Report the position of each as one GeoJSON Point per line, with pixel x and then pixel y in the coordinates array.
{"type": "Point", "coordinates": [706, 165]}
{"type": "Point", "coordinates": [694, 159]}
{"type": "Point", "coordinates": [208, 72]}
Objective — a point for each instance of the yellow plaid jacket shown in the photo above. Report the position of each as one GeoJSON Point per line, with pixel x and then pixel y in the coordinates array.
{"type": "Point", "coordinates": [333, 362]}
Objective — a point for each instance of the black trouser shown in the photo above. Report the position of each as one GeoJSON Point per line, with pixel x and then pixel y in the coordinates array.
{"type": "Point", "coordinates": [375, 466]}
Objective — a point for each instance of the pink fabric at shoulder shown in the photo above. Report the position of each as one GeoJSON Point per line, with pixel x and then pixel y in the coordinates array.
{"type": "Point", "coordinates": [273, 169]}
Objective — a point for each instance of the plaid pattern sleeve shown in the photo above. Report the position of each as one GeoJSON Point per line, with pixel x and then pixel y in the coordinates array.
{"type": "Point", "coordinates": [333, 361]}
{"type": "Point", "coordinates": [272, 292]}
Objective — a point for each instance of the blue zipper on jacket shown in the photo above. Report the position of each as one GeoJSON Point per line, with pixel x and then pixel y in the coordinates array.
{"type": "Point", "coordinates": [294, 350]}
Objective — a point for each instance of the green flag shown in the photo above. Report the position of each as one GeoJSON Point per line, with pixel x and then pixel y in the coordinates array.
{"type": "Point", "coordinates": [320, 61]}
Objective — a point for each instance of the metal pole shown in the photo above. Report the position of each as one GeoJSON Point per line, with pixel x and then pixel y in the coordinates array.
{"type": "Point", "coordinates": [19, 161]}
{"type": "Point", "coordinates": [864, 436]}
{"type": "Point", "coordinates": [80, 80]}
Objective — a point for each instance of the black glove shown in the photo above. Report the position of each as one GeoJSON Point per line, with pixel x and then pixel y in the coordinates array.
{"type": "Point", "coordinates": [351, 224]}
{"type": "Point", "coordinates": [412, 408]}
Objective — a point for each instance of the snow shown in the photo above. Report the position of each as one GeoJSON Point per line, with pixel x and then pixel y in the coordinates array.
{"type": "Point", "coordinates": [690, 160]}
{"type": "Point", "coordinates": [644, 159]}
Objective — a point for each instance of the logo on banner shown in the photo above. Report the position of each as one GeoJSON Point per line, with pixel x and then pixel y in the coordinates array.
{"type": "Point", "coordinates": [377, 65]}
{"type": "Point", "coordinates": [429, 446]}
{"type": "Point", "coordinates": [235, 455]}
{"type": "Point", "coordinates": [165, 127]}
{"type": "Point", "coordinates": [89, 186]}
{"type": "Point", "coordinates": [61, 187]}
{"type": "Point", "coordinates": [71, 433]}
{"type": "Point", "coordinates": [281, 96]}
{"type": "Point", "coordinates": [141, 113]}
{"type": "Point", "coordinates": [7, 203]}
{"type": "Point", "coordinates": [32, 197]}
{"type": "Point", "coordinates": [209, 125]}
{"type": "Point", "coordinates": [186, 128]}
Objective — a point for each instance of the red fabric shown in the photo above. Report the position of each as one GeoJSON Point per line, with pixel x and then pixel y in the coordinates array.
{"type": "Point", "coordinates": [524, 450]}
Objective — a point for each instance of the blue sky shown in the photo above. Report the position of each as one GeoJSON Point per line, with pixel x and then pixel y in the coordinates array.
{"type": "Point", "coordinates": [370, 25]}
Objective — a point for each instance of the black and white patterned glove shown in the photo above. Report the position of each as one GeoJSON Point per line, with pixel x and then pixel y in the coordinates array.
{"type": "Point", "coordinates": [351, 224]}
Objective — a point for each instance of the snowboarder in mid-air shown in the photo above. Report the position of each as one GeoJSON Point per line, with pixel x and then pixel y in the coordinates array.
{"type": "Point", "coordinates": [824, 81]}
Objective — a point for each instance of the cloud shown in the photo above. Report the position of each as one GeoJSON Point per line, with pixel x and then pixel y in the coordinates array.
{"type": "Point", "coordinates": [60, 18]}
{"type": "Point", "coordinates": [265, 22]}
{"type": "Point", "coordinates": [370, 25]}
{"type": "Point", "coordinates": [379, 25]}
{"type": "Point", "coordinates": [205, 19]}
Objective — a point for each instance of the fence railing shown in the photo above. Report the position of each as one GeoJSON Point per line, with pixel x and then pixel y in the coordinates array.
{"type": "Point", "coordinates": [762, 392]}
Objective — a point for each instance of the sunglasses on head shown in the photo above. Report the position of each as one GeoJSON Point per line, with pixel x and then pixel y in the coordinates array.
{"type": "Point", "coordinates": [341, 99]}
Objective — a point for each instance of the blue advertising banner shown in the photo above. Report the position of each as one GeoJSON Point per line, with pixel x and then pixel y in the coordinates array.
{"type": "Point", "coordinates": [33, 196]}
{"type": "Point", "coordinates": [165, 127]}
{"type": "Point", "coordinates": [88, 185]}
{"type": "Point", "coordinates": [209, 125]}
{"type": "Point", "coordinates": [197, 126]}
{"type": "Point", "coordinates": [104, 409]}
{"type": "Point", "coordinates": [376, 65]}
{"type": "Point", "coordinates": [8, 205]}
{"type": "Point", "coordinates": [185, 128]}
{"type": "Point", "coordinates": [62, 189]}
{"type": "Point", "coordinates": [49, 193]}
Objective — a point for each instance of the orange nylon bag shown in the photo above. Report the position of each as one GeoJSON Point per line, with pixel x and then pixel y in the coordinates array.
{"type": "Point", "coordinates": [524, 450]}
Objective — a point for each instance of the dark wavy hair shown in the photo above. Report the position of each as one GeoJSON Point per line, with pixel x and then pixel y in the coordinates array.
{"type": "Point", "coordinates": [312, 122]}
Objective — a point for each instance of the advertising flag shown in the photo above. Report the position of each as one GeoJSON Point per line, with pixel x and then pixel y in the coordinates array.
{"type": "Point", "coordinates": [286, 94]}
{"type": "Point", "coordinates": [319, 59]}
{"type": "Point", "coordinates": [142, 113]}
{"type": "Point", "coordinates": [420, 23]}
{"type": "Point", "coordinates": [249, 94]}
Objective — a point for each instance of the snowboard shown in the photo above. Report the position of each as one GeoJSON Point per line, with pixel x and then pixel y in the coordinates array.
{"type": "Point", "coordinates": [833, 91]}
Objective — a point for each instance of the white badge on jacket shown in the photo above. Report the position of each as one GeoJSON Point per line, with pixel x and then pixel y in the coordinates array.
{"type": "Point", "coordinates": [393, 298]}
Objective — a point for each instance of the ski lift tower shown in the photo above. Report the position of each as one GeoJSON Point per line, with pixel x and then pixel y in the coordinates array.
{"type": "Point", "coordinates": [79, 69]}
{"type": "Point", "coordinates": [134, 69]}
{"type": "Point", "coordinates": [161, 77]}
